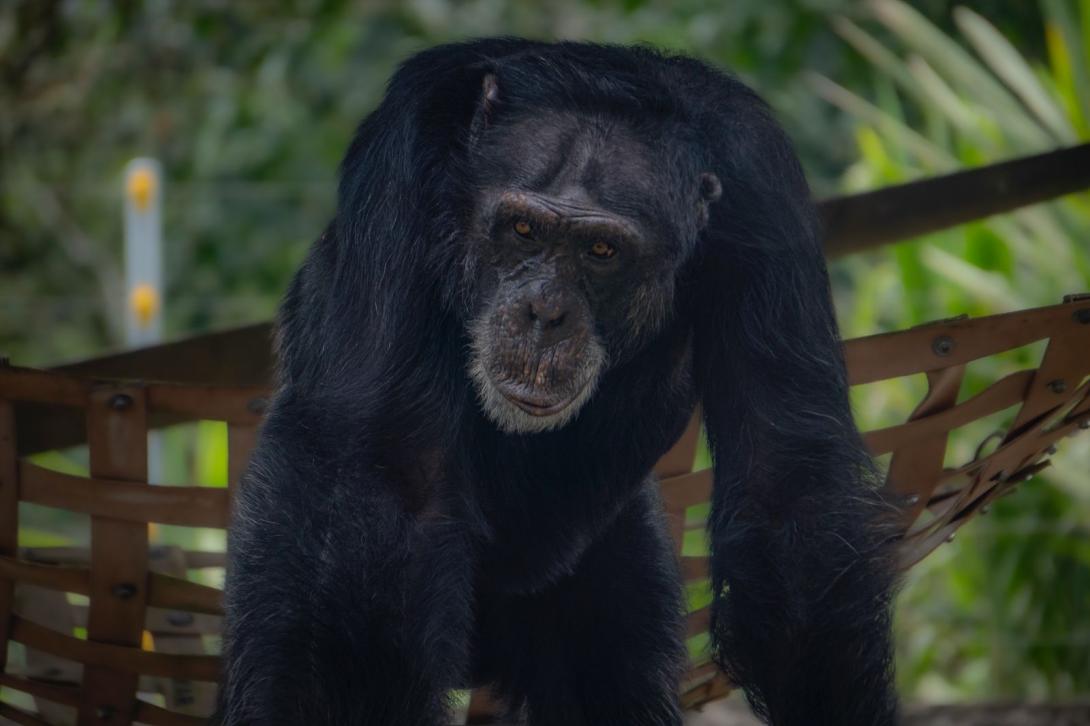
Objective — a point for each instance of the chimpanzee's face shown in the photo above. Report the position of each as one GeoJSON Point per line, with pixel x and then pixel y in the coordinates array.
{"type": "Point", "coordinates": [575, 245]}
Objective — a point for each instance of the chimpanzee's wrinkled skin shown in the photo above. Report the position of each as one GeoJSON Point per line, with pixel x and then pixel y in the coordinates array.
{"type": "Point", "coordinates": [543, 256]}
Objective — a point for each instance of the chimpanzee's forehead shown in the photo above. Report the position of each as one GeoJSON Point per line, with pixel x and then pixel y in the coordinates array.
{"type": "Point", "coordinates": [560, 153]}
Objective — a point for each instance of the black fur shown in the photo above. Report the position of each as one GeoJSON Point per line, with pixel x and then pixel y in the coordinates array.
{"type": "Point", "coordinates": [391, 542]}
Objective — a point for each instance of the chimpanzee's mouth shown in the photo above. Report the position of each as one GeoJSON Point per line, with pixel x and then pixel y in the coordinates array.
{"type": "Point", "coordinates": [538, 405]}
{"type": "Point", "coordinates": [527, 395]}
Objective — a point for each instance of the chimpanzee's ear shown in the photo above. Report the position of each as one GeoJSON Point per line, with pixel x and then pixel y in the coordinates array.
{"type": "Point", "coordinates": [710, 190]}
{"type": "Point", "coordinates": [490, 94]}
{"type": "Point", "coordinates": [486, 107]}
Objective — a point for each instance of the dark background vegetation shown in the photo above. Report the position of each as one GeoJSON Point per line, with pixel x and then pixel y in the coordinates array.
{"type": "Point", "coordinates": [250, 105]}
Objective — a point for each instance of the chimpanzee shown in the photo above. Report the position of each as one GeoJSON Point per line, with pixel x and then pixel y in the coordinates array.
{"type": "Point", "coordinates": [544, 255]}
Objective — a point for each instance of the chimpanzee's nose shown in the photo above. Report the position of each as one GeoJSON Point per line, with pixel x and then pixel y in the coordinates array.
{"type": "Point", "coordinates": [547, 315]}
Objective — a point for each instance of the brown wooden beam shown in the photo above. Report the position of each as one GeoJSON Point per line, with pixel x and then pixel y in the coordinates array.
{"type": "Point", "coordinates": [235, 357]}
{"type": "Point", "coordinates": [238, 356]}
{"type": "Point", "coordinates": [863, 221]}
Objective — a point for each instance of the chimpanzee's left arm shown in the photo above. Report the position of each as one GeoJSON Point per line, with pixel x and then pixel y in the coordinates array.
{"type": "Point", "coordinates": [801, 538]}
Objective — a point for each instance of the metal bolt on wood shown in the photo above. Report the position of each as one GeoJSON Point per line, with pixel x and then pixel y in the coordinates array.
{"type": "Point", "coordinates": [179, 618]}
{"type": "Point", "coordinates": [943, 345]}
{"type": "Point", "coordinates": [123, 590]}
{"type": "Point", "coordinates": [120, 402]}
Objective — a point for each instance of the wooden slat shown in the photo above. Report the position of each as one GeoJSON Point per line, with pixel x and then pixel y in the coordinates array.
{"type": "Point", "coordinates": [698, 622]}
{"type": "Point", "coordinates": [195, 559]}
{"type": "Point", "coordinates": [864, 221]}
{"type": "Point", "coordinates": [9, 518]}
{"type": "Point", "coordinates": [1003, 394]}
{"type": "Point", "coordinates": [700, 674]}
{"type": "Point", "coordinates": [116, 657]}
{"type": "Point", "coordinates": [174, 593]}
{"type": "Point", "coordinates": [24, 384]}
{"type": "Point", "coordinates": [482, 707]}
{"type": "Point", "coordinates": [178, 632]}
{"type": "Point", "coordinates": [49, 609]}
{"type": "Point", "coordinates": [58, 693]}
{"type": "Point", "coordinates": [158, 622]}
{"type": "Point", "coordinates": [905, 352]}
{"type": "Point", "coordinates": [1065, 362]}
{"type": "Point", "coordinates": [236, 357]}
{"type": "Point", "coordinates": [163, 622]}
{"type": "Point", "coordinates": [694, 568]}
{"type": "Point", "coordinates": [117, 438]}
{"type": "Point", "coordinates": [57, 555]}
{"type": "Point", "coordinates": [913, 468]}
{"type": "Point", "coordinates": [155, 716]}
{"type": "Point", "coordinates": [236, 405]}
{"type": "Point", "coordinates": [679, 459]}
{"type": "Point", "coordinates": [19, 716]}
{"type": "Point", "coordinates": [201, 559]}
{"type": "Point", "coordinates": [54, 577]}
{"type": "Point", "coordinates": [712, 690]}
{"type": "Point", "coordinates": [680, 492]}
{"type": "Point", "coordinates": [123, 500]}
{"type": "Point", "coordinates": [241, 441]}
{"type": "Point", "coordinates": [164, 591]}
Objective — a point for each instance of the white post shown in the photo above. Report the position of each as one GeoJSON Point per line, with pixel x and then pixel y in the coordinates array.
{"type": "Point", "coordinates": [144, 271]}
{"type": "Point", "coordinates": [143, 252]}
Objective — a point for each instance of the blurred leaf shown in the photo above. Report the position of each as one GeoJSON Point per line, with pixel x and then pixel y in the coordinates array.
{"type": "Point", "coordinates": [211, 466]}
{"type": "Point", "coordinates": [954, 62]}
{"type": "Point", "coordinates": [1006, 62]}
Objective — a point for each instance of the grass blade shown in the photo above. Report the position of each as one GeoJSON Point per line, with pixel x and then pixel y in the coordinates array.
{"type": "Point", "coordinates": [1009, 65]}
{"type": "Point", "coordinates": [968, 75]}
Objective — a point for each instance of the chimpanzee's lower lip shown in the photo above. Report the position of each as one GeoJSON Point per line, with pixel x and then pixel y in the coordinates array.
{"type": "Point", "coordinates": [537, 409]}
{"type": "Point", "coordinates": [538, 406]}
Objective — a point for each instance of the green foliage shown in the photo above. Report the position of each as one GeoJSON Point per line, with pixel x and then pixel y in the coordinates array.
{"type": "Point", "coordinates": [1005, 610]}
{"type": "Point", "coordinates": [249, 106]}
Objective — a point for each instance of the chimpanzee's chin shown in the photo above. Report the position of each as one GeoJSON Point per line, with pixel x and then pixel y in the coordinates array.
{"type": "Point", "coordinates": [521, 409]}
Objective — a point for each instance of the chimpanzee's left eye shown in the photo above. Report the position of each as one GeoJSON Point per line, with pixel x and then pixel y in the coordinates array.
{"type": "Point", "coordinates": [602, 250]}
{"type": "Point", "coordinates": [523, 229]}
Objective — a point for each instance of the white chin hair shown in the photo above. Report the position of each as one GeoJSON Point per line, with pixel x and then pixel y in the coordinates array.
{"type": "Point", "coordinates": [511, 419]}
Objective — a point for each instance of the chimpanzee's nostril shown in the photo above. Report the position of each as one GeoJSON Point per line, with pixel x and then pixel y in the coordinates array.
{"type": "Point", "coordinates": [547, 314]}
{"type": "Point", "coordinates": [550, 314]}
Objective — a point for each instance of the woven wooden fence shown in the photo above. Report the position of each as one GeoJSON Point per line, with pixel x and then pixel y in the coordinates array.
{"type": "Point", "coordinates": [146, 621]}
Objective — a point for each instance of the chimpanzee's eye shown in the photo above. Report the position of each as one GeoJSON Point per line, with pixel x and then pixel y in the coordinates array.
{"type": "Point", "coordinates": [523, 229]}
{"type": "Point", "coordinates": [602, 250]}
